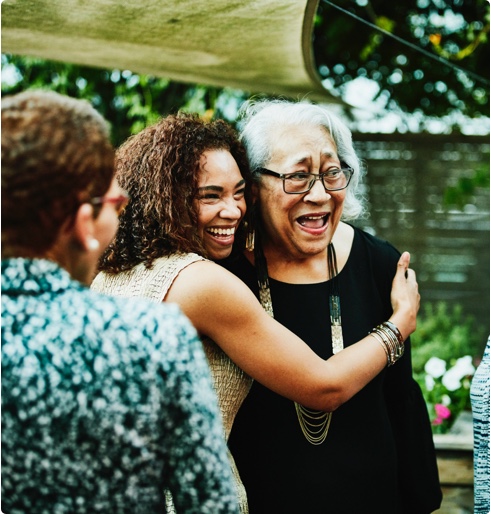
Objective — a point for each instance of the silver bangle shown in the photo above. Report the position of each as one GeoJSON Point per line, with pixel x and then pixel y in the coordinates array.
{"type": "Point", "coordinates": [391, 340]}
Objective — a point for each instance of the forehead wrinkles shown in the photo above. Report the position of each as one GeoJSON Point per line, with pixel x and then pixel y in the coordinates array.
{"type": "Point", "coordinates": [294, 145]}
{"type": "Point", "coordinates": [306, 157]}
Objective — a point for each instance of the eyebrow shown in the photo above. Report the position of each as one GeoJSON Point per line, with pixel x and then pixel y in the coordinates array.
{"type": "Point", "coordinates": [219, 188]}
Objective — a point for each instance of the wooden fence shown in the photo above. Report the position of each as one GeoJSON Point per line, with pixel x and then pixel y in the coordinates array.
{"type": "Point", "coordinates": [407, 175]}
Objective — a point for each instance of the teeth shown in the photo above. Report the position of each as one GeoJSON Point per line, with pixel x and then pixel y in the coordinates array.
{"type": "Point", "coordinates": [222, 231]}
{"type": "Point", "coordinates": [313, 221]}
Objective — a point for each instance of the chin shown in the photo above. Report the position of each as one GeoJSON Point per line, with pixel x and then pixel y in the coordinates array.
{"type": "Point", "coordinates": [315, 248]}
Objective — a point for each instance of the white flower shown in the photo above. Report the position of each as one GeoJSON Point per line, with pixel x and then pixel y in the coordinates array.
{"type": "Point", "coordinates": [446, 400]}
{"type": "Point", "coordinates": [435, 367]}
{"type": "Point", "coordinates": [429, 382]}
{"type": "Point", "coordinates": [451, 379]}
{"type": "Point", "coordinates": [464, 366]}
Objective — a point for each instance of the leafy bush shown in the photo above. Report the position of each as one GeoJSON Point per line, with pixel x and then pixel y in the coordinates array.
{"type": "Point", "coordinates": [446, 348]}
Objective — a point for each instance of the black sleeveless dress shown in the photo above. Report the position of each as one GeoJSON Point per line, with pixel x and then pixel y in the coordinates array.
{"type": "Point", "coordinates": [379, 456]}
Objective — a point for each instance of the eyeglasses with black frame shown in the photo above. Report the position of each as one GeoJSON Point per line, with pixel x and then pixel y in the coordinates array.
{"type": "Point", "coordinates": [302, 182]}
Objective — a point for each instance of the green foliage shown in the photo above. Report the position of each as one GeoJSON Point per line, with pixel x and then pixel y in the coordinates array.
{"type": "Point", "coordinates": [445, 332]}
{"type": "Point", "coordinates": [128, 101]}
{"type": "Point", "coordinates": [461, 194]}
{"type": "Point", "coordinates": [454, 343]}
{"type": "Point", "coordinates": [412, 77]}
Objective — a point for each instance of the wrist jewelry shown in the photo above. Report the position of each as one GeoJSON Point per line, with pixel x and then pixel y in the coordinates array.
{"type": "Point", "coordinates": [388, 335]}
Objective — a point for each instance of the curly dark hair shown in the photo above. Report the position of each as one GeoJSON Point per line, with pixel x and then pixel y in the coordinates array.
{"type": "Point", "coordinates": [56, 154]}
{"type": "Point", "coordinates": [159, 169]}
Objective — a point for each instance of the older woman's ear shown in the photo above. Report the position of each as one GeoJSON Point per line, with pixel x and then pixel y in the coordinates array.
{"type": "Point", "coordinates": [83, 229]}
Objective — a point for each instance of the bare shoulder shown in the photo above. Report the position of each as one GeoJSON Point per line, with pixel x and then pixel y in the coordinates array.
{"type": "Point", "coordinates": [215, 300]}
{"type": "Point", "coordinates": [204, 274]}
{"type": "Point", "coordinates": [206, 281]}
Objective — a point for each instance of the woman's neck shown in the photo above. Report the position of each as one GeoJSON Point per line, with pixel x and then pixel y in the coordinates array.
{"type": "Point", "coordinates": [308, 269]}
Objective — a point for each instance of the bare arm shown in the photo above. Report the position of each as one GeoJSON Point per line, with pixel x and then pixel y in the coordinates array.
{"type": "Point", "coordinates": [222, 307]}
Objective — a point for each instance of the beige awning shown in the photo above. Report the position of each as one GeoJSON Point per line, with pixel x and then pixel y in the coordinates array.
{"type": "Point", "coordinates": [256, 45]}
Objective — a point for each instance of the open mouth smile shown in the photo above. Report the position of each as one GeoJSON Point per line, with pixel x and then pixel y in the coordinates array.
{"type": "Point", "coordinates": [221, 232]}
{"type": "Point", "coordinates": [314, 222]}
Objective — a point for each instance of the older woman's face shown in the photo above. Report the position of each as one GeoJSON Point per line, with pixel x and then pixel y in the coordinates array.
{"type": "Point", "coordinates": [300, 225]}
{"type": "Point", "coordinates": [104, 229]}
{"type": "Point", "coordinates": [220, 202]}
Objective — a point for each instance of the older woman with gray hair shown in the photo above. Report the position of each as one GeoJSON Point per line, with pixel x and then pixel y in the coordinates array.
{"type": "Point", "coordinates": [328, 282]}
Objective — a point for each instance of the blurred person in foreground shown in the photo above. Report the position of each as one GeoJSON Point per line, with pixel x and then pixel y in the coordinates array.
{"type": "Point", "coordinates": [328, 282]}
{"type": "Point", "coordinates": [104, 402]}
{"type": "Point", "coordinates": [480, 417]}
{"type": "Point", "coordinates": [188, 180]}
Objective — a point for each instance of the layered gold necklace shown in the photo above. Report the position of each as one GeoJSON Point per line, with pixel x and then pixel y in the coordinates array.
{"type": "Point", "coordinates": [313, 423]}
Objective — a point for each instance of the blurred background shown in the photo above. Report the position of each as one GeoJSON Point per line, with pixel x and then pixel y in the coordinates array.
{"type": "Point", "coordinates": [412, 82]}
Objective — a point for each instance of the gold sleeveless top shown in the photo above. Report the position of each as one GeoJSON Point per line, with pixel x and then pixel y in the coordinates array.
{"type": "Point", "coordinates": [231, 384]}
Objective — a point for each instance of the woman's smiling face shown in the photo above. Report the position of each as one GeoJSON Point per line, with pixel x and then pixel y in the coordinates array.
{"type": "Point", "coordinates": [220, 201]}
{"type": "Point", "coordinates": [300, 225]}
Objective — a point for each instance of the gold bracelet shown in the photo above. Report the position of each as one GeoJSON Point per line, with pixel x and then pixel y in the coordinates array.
{"type": "Point", "coordinates": [391, 340]}
{"type": "Point", "coordinates": [391, 329]}
{"type": "Point", "coordinates": [394, 329]}
{"type": "Point", "coordinates": [382, 344]}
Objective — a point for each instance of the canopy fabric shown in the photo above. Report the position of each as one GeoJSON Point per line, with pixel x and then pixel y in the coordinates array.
{"type": "Point", "coordinates": [260, 46]}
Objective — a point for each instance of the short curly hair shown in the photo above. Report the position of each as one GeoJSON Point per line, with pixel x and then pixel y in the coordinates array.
{"type": "Point", "coordinates": [159, 169]}
{"type": "Point", "coordinates": [56, 154]}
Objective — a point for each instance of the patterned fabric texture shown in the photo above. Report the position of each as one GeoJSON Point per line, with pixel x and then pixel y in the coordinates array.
{"type": "Point", "coordinates": [105, 402]}
{"type": "Point", "coordinates": [480, 412]}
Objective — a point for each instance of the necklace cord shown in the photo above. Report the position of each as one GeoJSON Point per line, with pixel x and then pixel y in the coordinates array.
{"type": "Point", "coordinates": [314, 424]}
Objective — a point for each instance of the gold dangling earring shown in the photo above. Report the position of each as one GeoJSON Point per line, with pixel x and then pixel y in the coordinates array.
{"type": "Point", "coordinates": [250, 240]}
{"type": "Point", "coordinates": [251, 228]}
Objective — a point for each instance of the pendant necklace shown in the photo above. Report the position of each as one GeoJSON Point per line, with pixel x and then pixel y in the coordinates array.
{"type": "Point", "coordinates": [313, 423]}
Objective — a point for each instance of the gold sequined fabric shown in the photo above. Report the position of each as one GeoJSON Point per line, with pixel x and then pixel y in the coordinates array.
{"type": "Point", "coordinates": [231, 384]}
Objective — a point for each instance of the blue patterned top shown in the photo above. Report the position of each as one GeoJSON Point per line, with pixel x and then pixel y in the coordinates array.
{"type": "Point", "coordinates": [480, 413]}
{"type": "Point", "coordinates": [105, 402]}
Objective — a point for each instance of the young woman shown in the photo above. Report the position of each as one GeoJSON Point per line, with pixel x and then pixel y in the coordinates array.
{"type": "Point", "coordinates": [188, 180]}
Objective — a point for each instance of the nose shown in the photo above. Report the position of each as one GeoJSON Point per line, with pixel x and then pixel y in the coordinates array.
{"type": "Point", "coordinates": [231, 209]}
{"type": "Point", "coordinates": [317, 192]}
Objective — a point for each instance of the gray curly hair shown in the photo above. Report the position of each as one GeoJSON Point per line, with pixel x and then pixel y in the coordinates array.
{"type": "Point", "coordinates": [258, 118]}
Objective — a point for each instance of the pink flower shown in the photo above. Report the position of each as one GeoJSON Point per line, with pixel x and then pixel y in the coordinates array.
{"type": "Point", "coordinates": [442, 412]}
